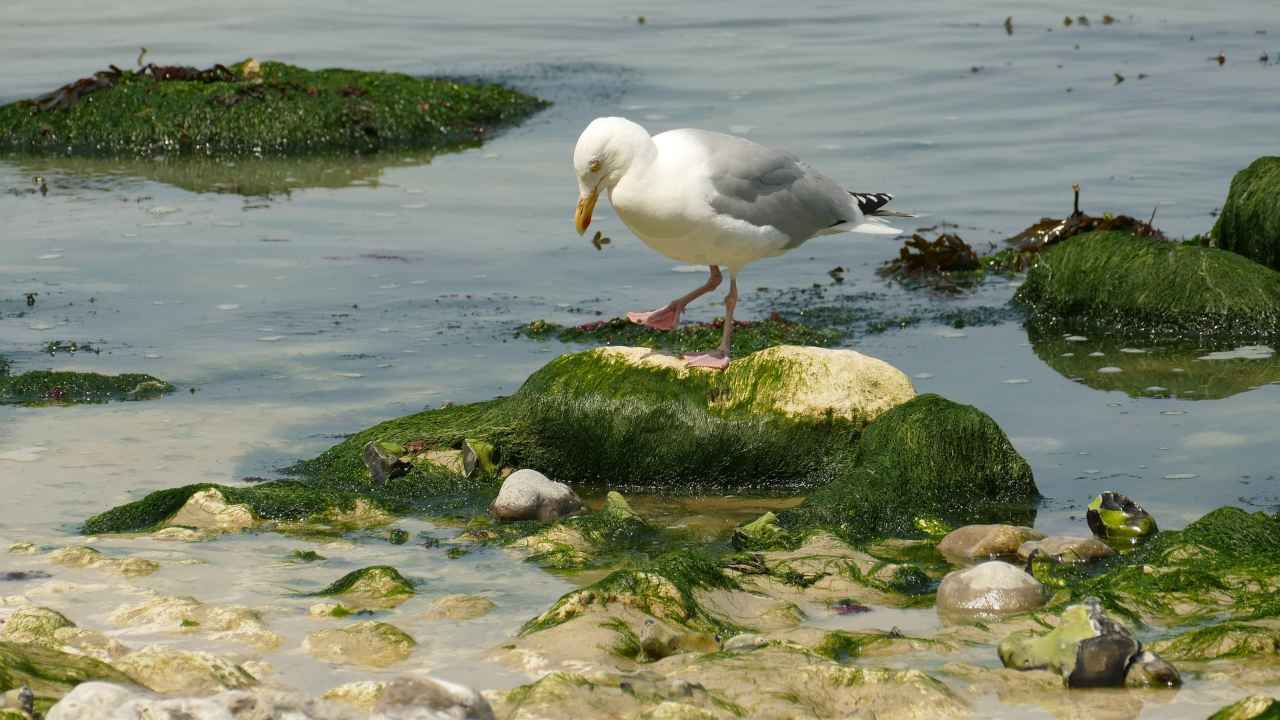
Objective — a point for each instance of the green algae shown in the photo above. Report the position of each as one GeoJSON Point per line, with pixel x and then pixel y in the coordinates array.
{"type": "Point", "coordinates": [282, 110]}
{"type": "Point", "coordinates": [48, 387]}
{"type": "Point", "coordinates": [925, 460]}
{"type": "Point", "coordinates": [1250, 219]}
{"type": "Point", "coordinates": [1135, 286]}
{"type": "Point", "coordinates": [50, 673]}
{"type": "Point", "coordinates": [748, 337]}
{"type": "Point", "coordinates": [377, 586]}
{"type": "Point", "coordinates": [1186, 371]}
{"type": "Point", "coordinates": [1254, 707]}
{"type": "Point", "coordinates": [1221, 640]}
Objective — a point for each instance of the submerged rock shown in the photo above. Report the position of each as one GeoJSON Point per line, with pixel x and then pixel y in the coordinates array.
{"type": "Point", "coordinates": [46, 387]}
{"type": "Point", "coordinates": [460, 607]}
{"type": "Point", "coordinates": [51, 629]}
{"type": "Point", "coordinates": [1117, 518]}
{"type": "Point", "coordinates": [1148, 670]}
{"type": "Point", "coordinates": [975, 542]}
{"type": "Point", "coordinates": [1250, 219]}
{"type": "Point", "coordinates": [376, 587]}
{"type": "Point", "coordinates": [83, 556]}
{"type": "Point", "coordinates": [991, 588]}
{"type": "Point", "coordinates": [170, 670]}
{"type": "Point", "coordinates": [1135, 286]}
{"type": "Point", "coordinates": [209, 510]}
{"type": "Point", "coordinates": [530, 495]}
{"type": "Point", "coordinates": [1254, 707]}
{"type": "Point", "coordinates": [49, 673]}
{"type": "Point", "coordinates": [368, 643]}
{"type": "Point", "coordinates": [1067, 549]}
{"type": "Point", "coordinates": [181, 614]}
{"type": "Point", "coordinates": [1087, 649]}
{"type": "Point", "coordinates": [1226, 639]}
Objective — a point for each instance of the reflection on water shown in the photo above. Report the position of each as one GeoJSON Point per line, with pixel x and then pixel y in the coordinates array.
{"type": "Point", "coordinates": [242, 176]}
{"type": "Point", "coordinates": [1182, 370]}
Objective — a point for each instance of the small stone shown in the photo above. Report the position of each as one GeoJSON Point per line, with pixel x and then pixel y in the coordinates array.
{"type": "Point", "coordinates": [368, 643]}
{"type": "Point", "coordinates": [530, 495]}
{"type": "Point", "coordinates": [460, 607]}
{"type": "Point", "coordinates": [1149, 670]}
{"type": "Point", "coordinates": [981, 542]}
{"type": "Point", "coordinates": [383, 461]}
{"type": "Point", "coordinates": [745, 642]}
{"type": "Point", "coordinates": [990, 588]}
{"type": "Point", "coordinates": [1115, 517]}
{"type": "Point", "coordinates": [1067, 549]}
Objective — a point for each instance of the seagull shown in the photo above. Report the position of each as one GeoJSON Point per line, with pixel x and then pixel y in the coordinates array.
{"type": "Point", "coordinates": [712, 199]}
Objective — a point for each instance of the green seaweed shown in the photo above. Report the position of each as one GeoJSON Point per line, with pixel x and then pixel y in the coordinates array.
{"type": "Point", "coordinates": [50, 673]}
{"type": "Point", "coordinates": [1135, 286]}
{"type": "Point", "coordinates": [748, 337]}
{"type": "Point", "coordinates": [1254, 707]}
{"type": "Point", "coordinates": [283, 110]}
{"type": "Point", "coordinates": [926, 459]}
{"type": "Point", "coordinates": [1250, 219]}
{"type": "Point", "coordinates": [382, 580]}
{"type": "Point", "coordinates": [48, 387]}
{"type": "Point", "coordinates": [1221, 640]}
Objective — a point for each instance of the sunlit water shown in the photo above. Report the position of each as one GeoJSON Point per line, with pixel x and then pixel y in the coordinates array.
{"type": "Point", "coordinates": [362, 290]}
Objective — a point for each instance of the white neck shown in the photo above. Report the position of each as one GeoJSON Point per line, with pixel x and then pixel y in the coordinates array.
{"type": "Point", "coordinates": [631, 150]}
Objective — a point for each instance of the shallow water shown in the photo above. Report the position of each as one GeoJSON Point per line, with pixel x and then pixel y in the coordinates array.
{"type": "Point", "coordinates": [338, 293]}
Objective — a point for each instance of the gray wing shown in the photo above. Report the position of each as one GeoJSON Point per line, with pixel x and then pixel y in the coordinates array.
{"type": "Point", "coordinates": [764, 186]}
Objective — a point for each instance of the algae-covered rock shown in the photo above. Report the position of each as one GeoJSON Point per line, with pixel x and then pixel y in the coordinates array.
{"type": "Point", "coordinates": [1135, 286]}
{"type": "Point", "coordinates": [926, 460]}
{"type": "Point", "coordinates": [367, 643]}
{"type": "Point", "coordinates": [748, 336]}
{"type": "Point", "coordinates": [1117, 518]}
{"type": "Point", "coordinates": [379, 587]}
{"type": "Point", "coordinates": [460, 607]}
{"type": "Point", "coordinates": [1250, 219]}
{"type": "Point", "coordinates": [187, 672]}
{"type": "Point", "coordinates": [51, 629]}
{"type": "Point", "coordinates": [1066, 549]}
{"type": "Point", "coordinates": [48, 672]}
{"type": "Point", "coordinates": [47, 387]}
{"type": "Point", "coordinates": [763, 533]}
{"type": "Point", "coordinates": [591, 539]}
{"type": "Point", "coordinates": [1227, 639]}
{"type": "Point", "coordinates": [990, 588]}
{"type": "Point", "coordinates": [83, 556]}
{"type": "Point", "coordinates": [530, 495]}
{"type": "Point", "coordinates": [1254, 707]}
{"type": "Point", "coordinates": [979, 542]}
{"type": "Point", "coordinates": [280, 110]}
{"type": "Point", "coordinates": [1087, 648]}
{"type": "Point", "coordinates": [186, 615]}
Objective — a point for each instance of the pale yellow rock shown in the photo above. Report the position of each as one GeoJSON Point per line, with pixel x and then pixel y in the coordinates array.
{"type": "Point", "coordinates": [323, 609]}
{"type": "Point", "coordinates": [251, 69]}
{"type": "Point", "coordinates": [362, 694]}
{"type": "Point", "coordinates": [83, 556]}
{"type": "Point", "coordinates": [259, 669]}
{"type": "Point", "coordinates": [181, 534]}
{"type": "Point", "coordinates": [450, 460]}
{"type": "Point", "coordinates": [183, 672]}
{"type": "Point", "coordinates": [169, 613]}
{"type": "Point", "coordinates": [208, 510]}
{"type": "Point", "coordinates": [23, 548]}
{"type": "Point", "coordinates": [459, 607]}
{"type": "Point", "coordinates": [33, 624]}
{"type": "Point", "coordinates": [368, 643]}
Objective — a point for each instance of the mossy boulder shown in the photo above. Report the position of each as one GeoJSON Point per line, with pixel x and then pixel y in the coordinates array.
{"type": "Point", "coordinates": [48, 387]}
{"type": "Point", "coordinates": [1250, 219]}
{"type": "Point", "coordinates": [607, 536]}
{"type": "Point", "coordinates": [257, 109]}
{"type": "Point", "coordinates": [1128, 285]}
{"type": "Point", "coordinates": [1254, 707]}
{"type": "Point", "coordinates": [921, 467]}
{"type": "Point", "coordinates": [1222, 640]}
{"type": "Point", "coordinates": [376, 587]}
{"type": "Point", "coordinates": [48, 672]}
{"type": "Point", "coordinates": [366, 643]}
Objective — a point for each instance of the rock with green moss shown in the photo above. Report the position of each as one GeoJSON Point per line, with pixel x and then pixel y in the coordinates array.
{"type": "Point", "coordinates": [763, 533]}
{"type": "Point", "coordinates": [611, 534]}
{"type": "Point", "coordinates": [1118, 518]}
{"type": "Point", "coordinates": [925, 461]}
{"type": "Point", "coordinates": [49, 673]}
{"type": "Point", "coordinates": [1254, 707]}
{"type": "Point", "coordinates": [1222, 640]}
{"type": "Point", "coordinates": [48, 387]}
{"type": "Point", "coordinates": [258, 109]}
{"type": "Point", "coordinates": [376, 587]}
{"type": "Point", "coordinates": [187, 672]}
{"type": "Point", "coordinates": [1250, 219]}
{"type": "Point", "coordinates": [748, 337]}
{"type": "Point", "coordinates": [367, 643]}
{"type": "Point", "coordinates": [1135, 286]}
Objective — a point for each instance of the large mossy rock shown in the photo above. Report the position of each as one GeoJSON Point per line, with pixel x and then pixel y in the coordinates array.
{"type": "Point", "coordinates": [926, 464]}
{"type": "Point", "coordinates": [257, 110]}
{"type": "Point", "coordinates": [1135, 286]}
{"type": "Point", "coordinates": [48, 387]}
{"type": "Point", "coordinates": [1250, 219]}
{"type": "Point", "coordinates": [48, 672]}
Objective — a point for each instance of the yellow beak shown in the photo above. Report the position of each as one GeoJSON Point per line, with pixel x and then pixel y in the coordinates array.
{"type": "Point", "coordinates": [582, 216]}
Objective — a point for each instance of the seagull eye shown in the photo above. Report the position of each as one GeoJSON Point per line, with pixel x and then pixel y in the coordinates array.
{"type": "Point", "coordinates": [594, 166]}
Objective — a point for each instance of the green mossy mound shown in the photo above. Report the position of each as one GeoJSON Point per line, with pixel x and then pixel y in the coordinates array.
{"type": "Point", "coordinates": [378, 586]}
{"type": "Point", "coordinates": [49, 673]}
{"type": "Point", "coordinates": [1224, 565]}
{"type": "Point", "coordinates": [611, 535]}
{"type": "Point", "coordinates": [920, 467]}
{"type": "Point", "coordinates": [280, 110]}
{"type": "Point", "coordinates": [1183, 371]}
{"type": "Point", "coordinates": [748, 337]}
{"type": "Point", "coordinates": [1222, 640]}
{"type": "Point", "coordinates": [1250, 219]}
{"type": "Point", "coordinates": [47, 387]}
{"type": "Point", "coordinates": [1254, 707]}
{"type": "Point", "coordinates": [1143, 287]}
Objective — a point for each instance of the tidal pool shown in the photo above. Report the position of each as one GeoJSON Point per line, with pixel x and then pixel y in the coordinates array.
{"type": "Point", "coordinates": [292, 302]}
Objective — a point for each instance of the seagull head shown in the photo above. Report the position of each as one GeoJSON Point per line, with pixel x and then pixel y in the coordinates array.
{"type": "Point", "coordinates": [605, 151]}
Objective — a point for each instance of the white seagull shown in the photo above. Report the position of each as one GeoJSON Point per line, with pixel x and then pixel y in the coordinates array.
{"type": "Point", "coordinates": [711, 199]}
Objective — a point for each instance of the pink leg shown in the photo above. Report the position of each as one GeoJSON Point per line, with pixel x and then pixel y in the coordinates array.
{"type": "Point", "coordinates": [718, 359]}
{"type": "Point", "coordinates": [666, 318]}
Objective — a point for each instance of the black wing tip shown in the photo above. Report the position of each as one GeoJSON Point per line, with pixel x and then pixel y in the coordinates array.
{"type": "Point", "coordinates": [868, 203]}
